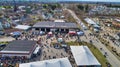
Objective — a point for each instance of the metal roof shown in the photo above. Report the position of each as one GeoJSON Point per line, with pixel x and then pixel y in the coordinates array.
{"type": "Point", "coordinates": [55, 25]}
{"type": "Point", "coordinates": [20, 46]}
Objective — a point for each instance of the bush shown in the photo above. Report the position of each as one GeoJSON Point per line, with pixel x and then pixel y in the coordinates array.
{"type": "Point", "coordinates": [81, 7]}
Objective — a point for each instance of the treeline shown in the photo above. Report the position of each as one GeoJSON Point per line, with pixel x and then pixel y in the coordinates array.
{"type": "Point", "coordinates": [83, 7]}
{"type": "Point", "coordinates": [115, 6]}
{"type": "Point", "coordinates": [7, 7]}
{"type": "Point", "coordinates": [52, 6]}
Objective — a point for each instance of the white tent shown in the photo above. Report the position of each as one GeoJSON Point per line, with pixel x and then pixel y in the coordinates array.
{"type": "Point", "coordinates": [83, 56]}
{"type": "Point", "coordinates": [50, 33]}
{"type": "Point", "coordinates": [61, 62]}
{"type": "Point", "coordinates": [23, 27]}
{"type": "Point", "coordinates": [117, 20]}
{"type": "Point", "coordinates": [59, 21]}
{"type": "Point", "coordinates": [60, 39]}
{"type": "Point", "coordinates": [42, 33]}
{"type": "Point", "coordinates": [89, 21]}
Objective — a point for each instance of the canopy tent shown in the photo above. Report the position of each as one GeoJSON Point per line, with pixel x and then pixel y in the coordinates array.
{"type": "Point", "coordinates": [50, 33]}
{"type": "Point", "coordinates": [60, 39]}
{"type": "Point", "coordinates": [80, 33]}
{"type": "Point", "coordinates": [83, 56]}
{"type": "Point", "coordinates": [42, 33]}
{"type": "Point", "coordinates": [23, 27]}
{"type": "Point", "coordinates": [118, 20]}
{"type": "Point", "coordinates": [61, 62]}
{"type": "Point", "coordinates": [17, 33]}
{"type": "Point", "coordinates": [72, 32]}
{"type": "Point", "coordinates": [59, 21]}
{"type": "Point", "coordinates": [89, 21]}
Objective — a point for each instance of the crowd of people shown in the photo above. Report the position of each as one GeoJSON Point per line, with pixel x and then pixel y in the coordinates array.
{"type": "Point", "coordinates": [12, 61]}
{"type": "Point", "coordinates": [44, 42]}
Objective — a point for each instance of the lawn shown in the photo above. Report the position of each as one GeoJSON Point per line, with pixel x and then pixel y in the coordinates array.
{"type": "Point", "coordinates": [3, 42]}
{"type": "Point", "coordinates": [94, 50]}
{"type": "Point", "coordinates": [1, 48]}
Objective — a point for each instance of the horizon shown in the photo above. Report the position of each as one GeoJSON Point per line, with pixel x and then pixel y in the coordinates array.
{"type": "Point", "coordinates": [65, 0]}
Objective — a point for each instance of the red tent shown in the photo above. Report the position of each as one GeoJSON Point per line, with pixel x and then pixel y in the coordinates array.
{"type": "Point", "coordinates": [72, 32]}
{"type": "Point", "coordinates": [50, 33]}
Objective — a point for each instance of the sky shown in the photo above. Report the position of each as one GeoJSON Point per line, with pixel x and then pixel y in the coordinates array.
{"type": "Point", "coordinates": [69, 0]}
{"type": "Point", "coordinates": [96, 0]}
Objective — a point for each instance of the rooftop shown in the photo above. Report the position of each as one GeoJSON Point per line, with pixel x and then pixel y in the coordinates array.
{"type": "Point", "coordinates": [19, 46]}
{"type": "Point", "coordinates": [60, 62]}
{"type": "Point", "coordinates": [82, 53]}
{"type": "Point", "coordinates": [56, 25]}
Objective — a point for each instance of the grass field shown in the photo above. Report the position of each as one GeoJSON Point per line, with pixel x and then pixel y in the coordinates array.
{"type": "Point", "coordinates": [94, 50]}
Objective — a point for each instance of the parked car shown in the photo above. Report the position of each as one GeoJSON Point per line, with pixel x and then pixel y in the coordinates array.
{"type": "Point", "coordinates": [2, 33]}
{"type": "Point", "coordinates": [2, 45]}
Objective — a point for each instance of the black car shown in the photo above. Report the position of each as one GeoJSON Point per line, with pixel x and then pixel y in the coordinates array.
{"type": "Point", "coordinates": [2, 45]}
{"type": "Point", "coordinates": [2, 33]}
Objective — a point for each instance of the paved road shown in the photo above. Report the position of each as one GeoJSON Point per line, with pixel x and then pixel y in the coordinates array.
{"type": "Point", "coordinates": [111, 58]}
{"type": "Point", "coordinates": [111, 33]}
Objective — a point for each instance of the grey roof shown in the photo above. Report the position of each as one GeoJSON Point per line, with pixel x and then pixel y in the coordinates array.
{"type": "Point", "coordinates": [20, 45]}
{"type": "Point", "coordinates": [55, 25]}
